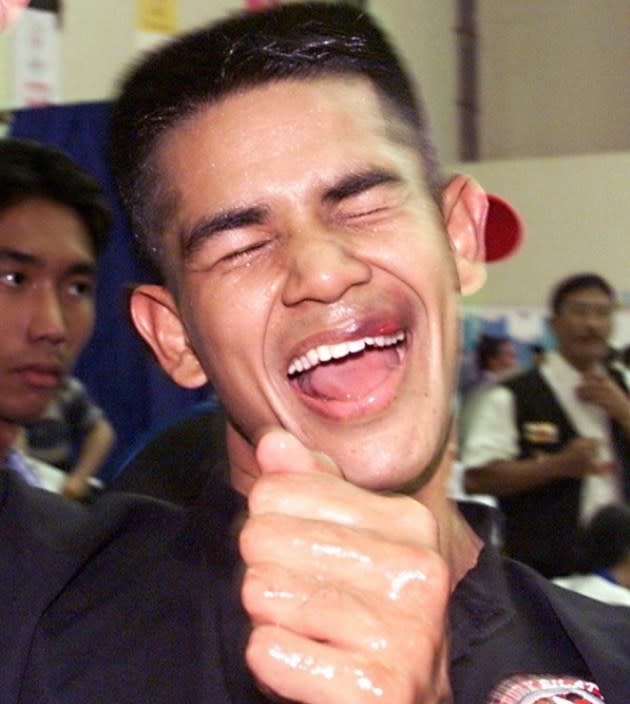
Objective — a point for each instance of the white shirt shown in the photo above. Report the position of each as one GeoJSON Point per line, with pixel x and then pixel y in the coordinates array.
{"type": "Point", "coordinates": [493, 434]}
{"type": "Point", "coordinates": [34, 472]}
{"type": "Point", "coordinates": [596, 587]}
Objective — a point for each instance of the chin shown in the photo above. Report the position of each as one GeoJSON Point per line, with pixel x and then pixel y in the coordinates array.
{"type": "Point", "coordinates": [387, 464]}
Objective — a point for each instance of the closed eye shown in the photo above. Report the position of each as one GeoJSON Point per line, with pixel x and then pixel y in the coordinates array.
{"type": "Point", "coordinates": [365, 196]}
{"type": "Point", "coordinates": [369, 207]}
{"type": "Point", "coordinates": [244, 252]}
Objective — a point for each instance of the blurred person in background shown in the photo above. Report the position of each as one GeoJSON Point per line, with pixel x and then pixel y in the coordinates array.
{"type": "Point", "coordinates": [553, 444]}
{"type": "Point", "coordinates": [604, 570]}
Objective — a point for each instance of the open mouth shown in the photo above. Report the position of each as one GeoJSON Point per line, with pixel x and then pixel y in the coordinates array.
{"type": "Point", "coordinates": [356, 371]}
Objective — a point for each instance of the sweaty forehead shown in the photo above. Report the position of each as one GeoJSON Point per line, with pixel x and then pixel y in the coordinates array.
{"type": "Point", "coordinates": [298, 124]}
{"type": "Point", "coordinates": [265, 108]}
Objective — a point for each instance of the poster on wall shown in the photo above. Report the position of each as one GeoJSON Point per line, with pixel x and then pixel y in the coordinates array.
{"type": "Point", "coordinates": [35, 49]}
{"type": "Point", "coordinates": [524, 327]}
{"type": "Point", "coordinates": [157, 21]}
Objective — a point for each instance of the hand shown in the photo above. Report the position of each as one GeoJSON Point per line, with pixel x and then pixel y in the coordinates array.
{"type": "Point", "coordinates": [345, 589]}
{"type": "Point", "coordinates": [600, 389]}
{"type": "Point", "coordinates": [75, 488]}
{"type": "Point", "coordinates": [580, 457]}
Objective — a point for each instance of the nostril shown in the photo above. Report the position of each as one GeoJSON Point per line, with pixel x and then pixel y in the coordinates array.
{"type": "Point", "coordinates": [324, 273]}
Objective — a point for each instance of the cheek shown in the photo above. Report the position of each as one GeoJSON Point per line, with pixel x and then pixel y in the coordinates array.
{"type": "Point", "coordinates": [225, 324]}
{"type": "Point", "coordinates": [81, 325]}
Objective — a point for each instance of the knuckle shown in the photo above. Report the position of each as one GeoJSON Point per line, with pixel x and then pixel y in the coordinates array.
{"type": "Point", "coordinates": [262, 493]}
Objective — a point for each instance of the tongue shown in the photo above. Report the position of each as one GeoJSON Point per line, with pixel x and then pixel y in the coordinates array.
{"type": "Point", "coordinates": [350, 378]}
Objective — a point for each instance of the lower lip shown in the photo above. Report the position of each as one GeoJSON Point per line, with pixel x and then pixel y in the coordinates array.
{"type": "Point", "coordinates": [39, 379]}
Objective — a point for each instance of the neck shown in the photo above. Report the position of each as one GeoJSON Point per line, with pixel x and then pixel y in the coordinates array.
{"type": "Point", "coordinates": [242, 460]}
{"type": "Point", "coordinates": [582, 365]}
{"type": "Point", "coordinates": [621, 573]}
{"type": "Point", "coordinates": [459, 545]}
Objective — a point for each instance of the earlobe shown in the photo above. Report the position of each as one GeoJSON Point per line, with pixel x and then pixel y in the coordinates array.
{"type": "Point", "coordinates": [465, 209]}
{"type": "Point", "coordinates": [156, 318]}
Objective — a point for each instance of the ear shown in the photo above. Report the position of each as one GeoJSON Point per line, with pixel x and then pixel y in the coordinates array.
{"type": "Point", "coordinates": [465, 209]}
{"type": "Point", "coordinates": [156, 317]}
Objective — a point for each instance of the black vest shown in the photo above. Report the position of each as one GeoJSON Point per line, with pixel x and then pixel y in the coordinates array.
{"type": "Point", "coordinates": [542, 524]}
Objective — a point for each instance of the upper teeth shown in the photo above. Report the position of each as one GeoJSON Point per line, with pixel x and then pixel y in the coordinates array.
{"type": "Point", "coordinates": [324, 353]}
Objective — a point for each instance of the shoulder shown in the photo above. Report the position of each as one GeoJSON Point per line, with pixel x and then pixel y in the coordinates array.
{"type": "Point", "coordinates": [599, 631]}
{"type": "Point", "coordinates": [124, 572]}
{"type": "Point", "coordinates": [47, 540]}
{"type": "Point", "coordinates": [62, 525]}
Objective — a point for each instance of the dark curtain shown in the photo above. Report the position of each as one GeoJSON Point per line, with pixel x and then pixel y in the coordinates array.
{"type": "Point", "coordinates": [115, 366]}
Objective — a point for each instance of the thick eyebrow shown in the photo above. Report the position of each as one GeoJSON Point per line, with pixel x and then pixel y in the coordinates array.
{"type": "Point", "coordinates": [15, 256]}
{"type": "Point", "coordinates": [83, 269]}
{"type": "Point", "coordinates": [192, 239]}
{"type": "Point", "coordinates": [9, 255]}
{"type": "Point", "coordinates": [358, 183]}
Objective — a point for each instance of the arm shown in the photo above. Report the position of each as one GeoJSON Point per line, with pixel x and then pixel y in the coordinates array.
{"type": "Point", "coordinates": [345, 589]}
{"type": "Point", "coordinates": [490, 452]}
{"type": "Point", "coordinates": [507, 477]}
{"type": "Point", "coordinates": [95, 447]}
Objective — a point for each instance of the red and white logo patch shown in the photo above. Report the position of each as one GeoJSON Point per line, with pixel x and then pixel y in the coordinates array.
{"type": "Point", "coordinates": [545, 689]}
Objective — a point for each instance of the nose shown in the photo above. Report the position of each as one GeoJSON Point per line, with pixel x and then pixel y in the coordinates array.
{"type": "Point", "coordinates": [47, 320]}
{"type": "Point", "coordinates": [322, 268]}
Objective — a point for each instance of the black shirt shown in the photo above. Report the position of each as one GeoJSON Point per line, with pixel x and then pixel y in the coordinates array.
{"type": "Point", "coordinates": [135, 600]}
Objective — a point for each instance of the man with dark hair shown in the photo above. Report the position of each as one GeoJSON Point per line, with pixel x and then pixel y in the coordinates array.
{"type": "Point", "coordinates": [604, 569]}
{"type": "Point", "coordinates": [577, 282]}
{"type": "Point", "coordinates": [553, 443]}
{"type": "Point", "coordinates": [496, 355]}
{"type": "Point", "coordinates": [54, 221]}
{"type": "Point", "coordinates": [29, 170]}
{"type": "Point", "coordinates": [274, 173]}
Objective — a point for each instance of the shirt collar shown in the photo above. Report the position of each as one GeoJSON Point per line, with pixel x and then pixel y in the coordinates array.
{"type": "Point", "coordinates": [479, 605]}
{"type": "Point", "coordinates": [15, 461]}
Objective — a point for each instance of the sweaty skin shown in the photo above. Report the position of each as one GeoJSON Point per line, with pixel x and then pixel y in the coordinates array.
{"type": "Point", "coordinates": [381, 563]}
{"type": "Point", "coordinates": [296, 234]}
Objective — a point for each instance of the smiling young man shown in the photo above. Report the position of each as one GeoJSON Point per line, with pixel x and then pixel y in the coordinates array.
{"type": "Point", "coordinates": [53, 223]}
{"type": "Point", "coordinates": [278, 173]}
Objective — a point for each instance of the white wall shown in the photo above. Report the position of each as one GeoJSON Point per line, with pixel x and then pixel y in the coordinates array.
{"type": "Point", "coordinates": [577, 216]}
{"type": "Point", "coordinates": [424, 32]}
{"type": "Point", "coordinates": [553, 77]}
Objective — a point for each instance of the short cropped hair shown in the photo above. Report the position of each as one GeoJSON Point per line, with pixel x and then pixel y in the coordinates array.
{"type": "Point", "coordinates": [295, 41]}
{"type": "Point", "coordinates": [489, 347]}
{"type": "Point", "coordinates": [606, 539]}
{"type": "Point", "coordinates": [577, 282]}
{"type": "Point", "coordinates": [29, 169]}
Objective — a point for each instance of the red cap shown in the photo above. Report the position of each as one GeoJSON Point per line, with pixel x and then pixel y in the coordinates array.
{"type": "Point", "coordinates": [504, 229]}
